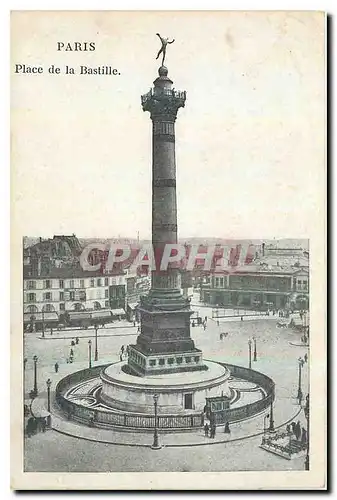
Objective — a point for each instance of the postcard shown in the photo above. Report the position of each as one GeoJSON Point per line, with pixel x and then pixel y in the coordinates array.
{"type": "Point", "coordinates": [168, 243]}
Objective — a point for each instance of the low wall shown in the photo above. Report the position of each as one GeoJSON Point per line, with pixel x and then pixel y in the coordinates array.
{"type": "Point", "coordinates": [113, 418]}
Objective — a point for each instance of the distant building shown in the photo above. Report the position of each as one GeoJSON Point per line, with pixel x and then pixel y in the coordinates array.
{"type": "Point", "coordinates": [276, 280]}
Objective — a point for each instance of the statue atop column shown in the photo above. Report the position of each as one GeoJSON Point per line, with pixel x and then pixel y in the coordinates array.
{"type": "Point", "coordinates": [164, 42]}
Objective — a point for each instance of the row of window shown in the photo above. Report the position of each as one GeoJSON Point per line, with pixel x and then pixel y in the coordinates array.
{"type": "Point", "coordinates": [31, 297]}
{"type": "Point", "coordinates": [51, 308]}
{"type": "Point", "coordinates": [31, 284]}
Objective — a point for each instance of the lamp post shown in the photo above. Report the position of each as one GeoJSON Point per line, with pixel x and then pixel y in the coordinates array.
{"type": "Point", "coordinates": [306, 413]}
{"type": "Point", "coordinates": [48, 382]}
{"type": "Point", "coordinates": [271, 421]}
{"type": "Point", "coordinates": [155, 445]}
{"type": "Point", "coordinates": [42, 323]}
{"type": "Point", "coordinates": [255, 351]}
{"type": "Point", "coordinates": [250, 353]}
{"type": "Point", "coordinates": [299, 390]}
{"type": "Point", "coordinates": [264, 423]}
{"type": "Point", "coordinates": [89, 344]}
{"type": "Point", "coordinates": [96, 349]}
{"type": "Point", "coordinates": [35, 392]}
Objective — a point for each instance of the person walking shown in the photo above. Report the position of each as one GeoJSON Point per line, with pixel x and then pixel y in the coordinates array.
{"type": "Point", "coordinates": [56, 366]}
{"type": "Point", "coordinates": [77, 340]}
{"type": "Point", "coordinates": [305, 358]}
{"type": "Point", "coordinates": [122, 349]}
{"type": "Point", "coordinates": [293, 427]}
{"type": "Point", "coordinates": [304, 436]}
{"type": "Point", "coordinates": [227, 429]}
{"type": "Point", "coordinates": [206, 429]}
{"type": "Point", "coordinates": [298, 430]}
{"type": "Point", "coordinates": [214, 429]}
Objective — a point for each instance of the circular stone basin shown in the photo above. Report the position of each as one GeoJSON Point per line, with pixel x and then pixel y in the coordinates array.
{"type": "Point", "coordinates": [179, 393]}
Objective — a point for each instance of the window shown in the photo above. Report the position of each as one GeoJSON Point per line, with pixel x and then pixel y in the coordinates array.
{"type": "Point", "coordinates": [92, 283]}
{"type": "Point", "coordinates": [72, 295]}
{"type": "Point", "coordinates": [179, 360]}
{"type": "Point", "coordinates": [62, 307]}
{"type": "Point", "coordinates": [47, 284]}
{"type": "Point", "coordinates": [47, 296]}
{"type": "Point", "coordinates": [305, 285]}
{"type": "Point", "coordinates": [188, 360]}
{"type": "Point", "coordinates": [72, 284]}
{"type": "Point", "coordinates": [47, 308]}
{"type": "Point", "coordinates": [106, 281]}
{"type": "Point", "coordinates": [32, 309]}
{"type": "Point", "coordinates": [106, 294]}
{"type": "Point", "coordinates": [107, 303]}
{"type": "Point", "coordinates": [61, 283]}
{"type": "Point", "coordinates": [31, 285]}
{"type": "Point", "coordinates": [61, 295]}
{"type": "Point", "coordinates": [97, 305]}
{"type": "Point", "coordinates": [152, 362]}
{"type": "Point", "coordinates": [170, 361]}
{"type": "Point", "coordinates": [31, 297]}
{"type": "Point", "coordinates": [188, 401]}
{"type": "Point", "coordinates": [196, 359]}
{"type": "Point", "coordinates": [81, 283]}
{"type": "Point", "coordinates": [99, 282]}
{"type": "Point", "coordinates": [161, 362]}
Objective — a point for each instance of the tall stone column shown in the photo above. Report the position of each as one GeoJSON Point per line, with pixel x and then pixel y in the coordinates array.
{"type": "Point", "coordinates": [164, 344]}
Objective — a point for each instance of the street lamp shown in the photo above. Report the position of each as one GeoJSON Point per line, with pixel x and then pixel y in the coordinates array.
{"type": "Point", "coordinates": [264, 423]}
{"type": "Point", "coordinates": [255, 351]}
{"type": "Point", "coordinates": [250, 353]}
{"type": "Point", "coordinates": [271, 421]}
{"type": "Point", "coordinates": [299, 390]}
{"type": "Point", "coordinates": [306, 413]}
{"type": "Point", "coordinates": [48, 382]}
{"type": "Point", "coordinates": [42, 323]}
{"type": "Point", "coordinates": [89, 344]}
{"type": "Point", "coordinates": [34, 391]}
{"type": "Point", "coordinates": [155, 445]}
{"type": "Point", "coordinates": [96, 349]}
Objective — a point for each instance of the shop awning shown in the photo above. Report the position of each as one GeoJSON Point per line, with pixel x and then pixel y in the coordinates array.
{"type": "Point", "coordinates": [117, 312]}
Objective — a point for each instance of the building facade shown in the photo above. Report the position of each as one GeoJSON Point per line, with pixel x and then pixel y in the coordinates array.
{"type": "Point", "coordinates": [268, 283]}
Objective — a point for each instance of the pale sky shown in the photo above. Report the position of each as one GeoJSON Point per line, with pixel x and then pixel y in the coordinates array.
{"type": "Point", "coordinates": [249, 143]}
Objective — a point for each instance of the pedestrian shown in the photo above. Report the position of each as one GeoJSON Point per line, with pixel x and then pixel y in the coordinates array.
{"type": "Point", "coordinates": [298, 430]}
{"type": "Point", "coordinates": [43, 424]}
{"type": "Point", "coordinates": [206, 319]}
{"type": "Point", "coordinates": [305, 358]}
{"type": "Point", "coordinates": [56, 366]}
{"type": "Point", "coordinates": [138, 329]}
{"type": "Point", "coordinates": [122, 349]}
{"type": "Point", "coordinates": [204, 326]}
{"type": "Point", "coordinates": [218, 323]}
{"type": "Point", "coordinates": [206, 429]}
{"type": "Point", "coordinates": [288, 429]}
{"type": "Point", "coordinates": [71, 353]}
{"type": "Point", "coordinates": [214, 429]}
{"type": "Point", "coordinates": [72, 342]}
{"type": "Point", "coordinates": [227, 429]}
{"type": "Point", "coordinates": [293, 427]}
{"type": "Point", "coordinates": [121, 357]}
{"type": "Point", "coordinates": [51, 331]}
{"type": "Point", "coordinates": [77, 340]}
{"type": "Point", "coordinates": [304, 435]}
{"type": "Point", "coordinates": [71, 359]}
{"type": "Point", "coordinates": [241, 318]}
{"type": "Point", "coordinates": [134, 323]}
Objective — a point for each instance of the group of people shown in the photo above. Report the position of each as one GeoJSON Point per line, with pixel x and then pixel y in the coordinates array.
{"type": "Point", "coordinates": [298, 431]}
{"type": "Point", "coordinates": [124, 352]}
{"type": "Point", "coordinates": [71, 352]}
{"type": "Point", "coordinates": [35, 425]}
{"type": "Point", "coordinates": [210, 429]}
